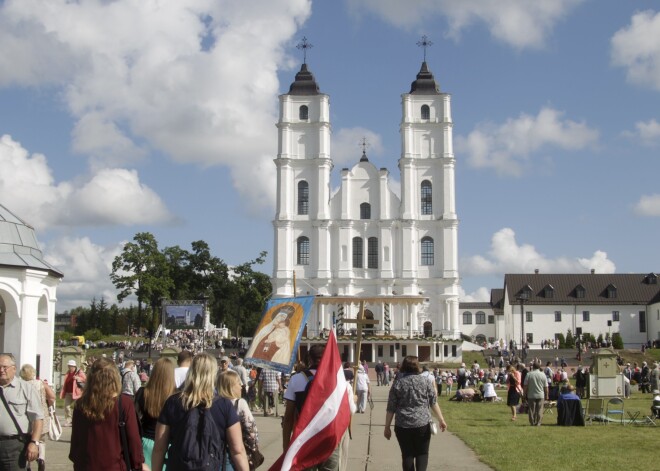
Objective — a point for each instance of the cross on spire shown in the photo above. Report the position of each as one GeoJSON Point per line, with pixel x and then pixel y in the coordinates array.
{"type": "Point", "coordinates": [424, 43]}
{"type": "Point", "coordinates": [304, 45]}
{"type": "Point", "coordinates": [364, 144]}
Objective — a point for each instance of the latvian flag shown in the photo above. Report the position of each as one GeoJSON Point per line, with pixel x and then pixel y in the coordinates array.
{"type": "Point", "coordinates": [324, 417]}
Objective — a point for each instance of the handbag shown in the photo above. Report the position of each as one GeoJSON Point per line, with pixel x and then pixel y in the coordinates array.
{"type": "Point", "coordinates": [55, 429]}
{"type": "Point", "coordinates": [434, 427]}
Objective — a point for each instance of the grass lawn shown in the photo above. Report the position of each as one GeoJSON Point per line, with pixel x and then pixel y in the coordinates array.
{"type": "Point", "coordinates": [505, 445]}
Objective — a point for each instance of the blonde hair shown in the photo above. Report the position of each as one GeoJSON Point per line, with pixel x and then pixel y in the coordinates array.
{"type": "Point", "coordinates": [227, 382]}
{"type": "Point", "coordinates": [198, 387]}
{"type": "Point", "coordinates": [28, 372]}
{"type": "Point", "coordinates": [160, 386]}
{"type": "Point", "coordinates": [102, 387]}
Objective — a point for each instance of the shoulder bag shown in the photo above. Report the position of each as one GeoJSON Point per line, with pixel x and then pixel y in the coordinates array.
{"type": "Point", "coordinates": [55, 429]}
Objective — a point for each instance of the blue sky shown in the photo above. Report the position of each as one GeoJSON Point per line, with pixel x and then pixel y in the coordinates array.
{"type": "Point", "coordinates": [127, 116]}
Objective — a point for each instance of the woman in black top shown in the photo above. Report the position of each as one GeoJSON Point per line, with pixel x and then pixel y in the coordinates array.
{"type": "Point", "coordinates": [150, 399]}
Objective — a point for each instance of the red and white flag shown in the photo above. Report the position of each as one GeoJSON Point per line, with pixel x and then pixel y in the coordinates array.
{"type": "Point", "coordinates": [324, 417]}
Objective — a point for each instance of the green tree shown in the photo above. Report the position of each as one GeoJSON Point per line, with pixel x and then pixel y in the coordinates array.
{"type": "Point", "coordinates": [617, 341]}
{"type": "Point", "coordinates": [142, 270]}
{"type": "Point", "coordinates": [570, 340]}
{"type": "Point", "coordinates": [562, 340]}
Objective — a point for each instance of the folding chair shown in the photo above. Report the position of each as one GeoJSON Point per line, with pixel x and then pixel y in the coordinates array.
{"type": "Point", "coordinates": [594, 409]}
{"type": "Point", "coordinates": [615, 407]}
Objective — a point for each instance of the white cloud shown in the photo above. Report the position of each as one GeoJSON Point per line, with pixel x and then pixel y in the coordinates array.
{"type": "Point", "coordinates": [86, 267]}
{"type": "Point", "coordinates": [195, 80]}
{"type": "Point", "coordinates": [648, 133]}
{"type": "Point", "coordinates": [648, 205]}
{"type": "Point", "coordinates": [507, 256]}
{"type": "Point", "coordinates": [508, 147]}
{"type": "Point", "coordinates": [520, 24]}
{"type": "Point", "coordinates": [347, 145]}
{"type": "Point", "coordinates": [480, 295]}
{"type": "Point", "coordinates": [637, 49]}
{"type": "Point", "coordinates": [111, 196]}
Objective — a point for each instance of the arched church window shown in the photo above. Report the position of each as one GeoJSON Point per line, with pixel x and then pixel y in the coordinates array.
{"type": "Point", "coordinates": [365, 211]}
{"type": "Point", "coordinates": [426, 112]}
{"type": "Point", "coordinates": [427, 197]}
{"type": "Point", "coordinates": [358, 252]}
{"type": "Point", "coordinates": [303, 197]}
{"type": "Point", "coordinates": [372, 252]}
{"type": "Point", "coordinates": [303, 250]}
{"type": "Point", "coordinates": [427, 251]}
{"type": "Point", "coordinates": [303, 113]}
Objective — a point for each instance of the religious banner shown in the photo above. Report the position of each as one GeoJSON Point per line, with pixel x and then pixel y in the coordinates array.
{"type": "Point", "coordinates": [276, 339]}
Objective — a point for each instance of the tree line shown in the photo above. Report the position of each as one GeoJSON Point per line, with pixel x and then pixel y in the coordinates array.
{"type": "Point", "coordinates": [235, 295]}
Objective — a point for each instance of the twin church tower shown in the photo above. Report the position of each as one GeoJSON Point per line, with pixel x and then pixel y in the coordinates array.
{"type": "Point", "coordinates": [361, 239]}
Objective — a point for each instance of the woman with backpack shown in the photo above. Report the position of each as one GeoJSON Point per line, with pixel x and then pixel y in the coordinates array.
{"type": "Point", "coordinates": [195, 425]}
{"type": "Point", "coordinates": [150, 399]}
{"type": "Point", "coordinates": [95, 437]}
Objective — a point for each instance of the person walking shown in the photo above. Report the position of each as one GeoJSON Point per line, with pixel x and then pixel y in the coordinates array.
{"type": "Point", "coordinates": [150, 399]}
{"type": "Point", "coordinates": [20, 422]}
{"type": "Point", "coordinates": [198, 391]}
{"type": "Point", "coordinates": [95, 441]}
{"type": "Point", "coordinates": [71, 390]}
{"type": "Point", "coordinates": [411, 399]}
{"type": "Point", "coordinates": [535, 391]}
{"type": "Point", "coordinates": [47, 397]}
{"type": "Point", "coordinates": [363, 388]}
{"type": "Point", "coordinates": [230, 386]}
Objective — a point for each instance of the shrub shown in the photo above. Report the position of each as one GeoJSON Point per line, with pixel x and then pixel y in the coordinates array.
{"type": "Point", "coordinates": [570, 340]}
{"type": "Point", "coordinates": [617, 341]}
{"type": "Point", "coordinates": [562, 340]}
{"type": "Point", "coordinates": [94, 335]}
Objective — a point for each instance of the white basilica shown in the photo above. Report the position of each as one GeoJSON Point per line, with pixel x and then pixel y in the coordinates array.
{"type": "Point", "coordinates": [363, 240]}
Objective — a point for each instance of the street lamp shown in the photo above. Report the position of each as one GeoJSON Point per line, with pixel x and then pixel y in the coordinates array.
{"type": "Point", "coordinates": [522, 297]}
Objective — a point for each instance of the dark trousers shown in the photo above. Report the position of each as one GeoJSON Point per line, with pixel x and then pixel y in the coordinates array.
{"type": "Point", "coordinates": [414, 444]}
{"type": "Point", "coordinates": [12, 455]}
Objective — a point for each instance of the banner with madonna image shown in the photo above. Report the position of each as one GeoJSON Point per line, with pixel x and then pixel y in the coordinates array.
{"type": "Point", "coordinates": [276, 339]}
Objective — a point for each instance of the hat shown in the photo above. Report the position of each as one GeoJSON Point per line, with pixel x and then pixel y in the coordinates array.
{"type": "Point", "coordinates": [71, 363]}
{"type": "Point", "coordinates": [655, 391]}
{"type": "Point", "coordinates": [627, 364]}
{"type": "Point", "coordinates": [462, 365]}
{"type": "Point", "coordinates": [225, 358]}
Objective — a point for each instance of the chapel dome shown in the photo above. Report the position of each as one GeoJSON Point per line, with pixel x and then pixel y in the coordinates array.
{"type": "Point", "coordinates": [305, 83]}
{"type": "Point", "coordinates": [425, 83]}
{"type": "Point", "coordinates": [18, 245]}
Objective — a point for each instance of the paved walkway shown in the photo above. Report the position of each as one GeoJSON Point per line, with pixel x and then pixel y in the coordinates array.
{"type": "Point", "coordinates": [369, 450]}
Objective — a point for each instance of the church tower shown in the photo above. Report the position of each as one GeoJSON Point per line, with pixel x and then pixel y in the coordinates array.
{"type": "Point", "coordinates": [303, 183]}
{"type": "Point", "coordinates": [428, 208]}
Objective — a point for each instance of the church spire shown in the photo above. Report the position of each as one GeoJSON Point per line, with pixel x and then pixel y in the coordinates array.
{"type": "Point", "coordinates": [425, 83]}
{"type": "Point", "coordinates": [305, 83]}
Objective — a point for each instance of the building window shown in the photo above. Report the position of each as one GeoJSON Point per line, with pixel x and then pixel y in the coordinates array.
{"type": "Point", "coordinates": [380, 350]}
{"type": "Point", "coordinates": [491, 319]}
{"type": "Point", "coordinates": [529, 317]}
{"type": "Point", "coordinates": [467, 318]}
{"type": "Point", "coordinates": [642, 321]}
{"type": "Point", "coordinates": [303, 113]}
{"type": "Point", "coordinates": [358, 252]}
{"type": "Point", "coordinates": [530, 337]}
{"type": "Point", "coordinates": [480, 317]}
{"type": "Point", "coordinates": [303, 197]}
{"type": "Point", "coordinates": [426, 112]}
{"type": "Point", "coordinates": [548, 291]}
{"type": "Point", "coordinates": [404, 350]}
{"type": "Point", "coordinates": [365, 211]}
{"type": "Point", "coordinates": [372, 252]}
{"type": "Point", "coordinates": [615, 316]}
{"type": "Point", "coordinates": [427, 197]}
{"type": "Point", "coordinates": [454, 351]}
{"type": "Point", "coordinates": [611, 291]}
{"type": "Point", "coordinates": [427, 251]}
{"type": "Point", "coordinates": [391, 351]}
{"type": "Point", "coordinates": [580, 291]}
{"type": "Point", "coordinates": [557, 316]}
{"type": "Point", "coordinates": [303, 250]}
{"type": "Point", "coordinates": [585, 316]}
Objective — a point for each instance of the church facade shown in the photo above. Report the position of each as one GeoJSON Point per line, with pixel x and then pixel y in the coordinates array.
{"type": "Point", "coordinates": [362, 241]}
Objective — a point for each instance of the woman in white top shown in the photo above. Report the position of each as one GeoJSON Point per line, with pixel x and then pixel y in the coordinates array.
{"type": "Point", "coordinates": [363, 388]}
{"type": "Point", "coordinates": [489, 391]}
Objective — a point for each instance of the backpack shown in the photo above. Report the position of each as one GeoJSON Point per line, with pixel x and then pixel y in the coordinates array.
{"type": "Point", "coordinates": [302, 395]}
{"type": "Point", "coordinates": [198, 446]}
